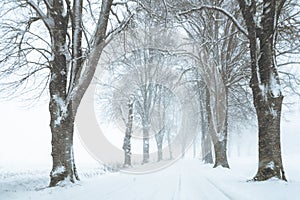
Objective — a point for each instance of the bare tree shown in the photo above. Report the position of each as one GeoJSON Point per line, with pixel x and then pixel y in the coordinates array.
{"type": "Point", "coordinates": [261, 19]}
{"type": "Point", "coordinates": [146, 63]}
{"type": "Point", "coordinates": [70, 68]}
{"type": "Point", "coordinates": [265, 84]}
{"type": "Point", "coordinates": [217, 38]}
{"type": "Point", "coordinates": [164, 119]}
{"type": "Point", "coordinates": [205, 136]}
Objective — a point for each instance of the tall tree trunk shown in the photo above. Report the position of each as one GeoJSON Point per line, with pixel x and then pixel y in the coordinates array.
{"type": "Point", "coordinates": [77, 32]}
{"type": "Point", "coordinates": [221, 154]}
{"type": "Point", "coordinates": [67, 84]}
{"type": "Point", "coordinates": [206, 148]}
{"type": "Point", "coordinates": [62, 117]}
{"type": "Point", "coordinates": [268, 101]}
{"type": "Point", "coordinates": [268, 116]}
{"type": "Point", "coordinates": [128, 133]}
{"type": "Point", "coordinates": [159, 141]}
{"type": "Point", "coordinates": [169, 144]}
{"type": "Point", "coordinates": [161, 122]}
{"type": "Point", "coordinates": [265, 85]}
{"type": "Point", "coordinates": [62, 128]}
{"type": "Point", "coordinates": [205, 137]}
{"type": "Point", "coordinates": [220, 144]}
{"type": "Point", "coordinates": [146, 155]}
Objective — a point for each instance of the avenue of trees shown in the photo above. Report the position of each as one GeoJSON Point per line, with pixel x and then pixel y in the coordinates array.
{"type": "Point", "coordinates": [193, 67]}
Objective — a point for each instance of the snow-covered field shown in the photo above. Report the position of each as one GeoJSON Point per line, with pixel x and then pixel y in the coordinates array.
{"type": "Point", "coordinates": [25, 164]}
{"type": "Point", "coordinates": [186, 179]}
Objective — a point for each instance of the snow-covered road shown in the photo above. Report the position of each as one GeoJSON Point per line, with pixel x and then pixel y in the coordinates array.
{"type": "Point", "coordinates": [180, 181]}
{"type": "Point", "coordinates": [187, 179]}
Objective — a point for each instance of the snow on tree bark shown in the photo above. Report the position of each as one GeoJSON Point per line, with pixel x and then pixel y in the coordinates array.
{"type": "Point", "coordinates": [216, 108]}
{"type": "Point", "coordinates": [219, 140]}
{"type": "Point", "coordinates": [128, 133]}
{"type": "Point", "coordinates": [265, 86]}
{"type": "Point", "coordinates": [62, 119]}
{"type": "Point", "coordinates": [67, 87]}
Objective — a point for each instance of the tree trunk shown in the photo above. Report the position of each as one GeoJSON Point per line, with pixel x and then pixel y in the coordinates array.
{"type": "Point", "coordinates": [159, 141]}
{"type": "Point", "coordinates": [268, 104]}
{"type": "Point", "coordinates": [62, 147]}
{"type": "Point", "coordinates": [183, 150]}
{"type": "Point", "coordinates": [268, 108]}
{"type": "Point", "coordinates": [206, 149]}
{"type": "Point", "coordinates": [270, 161]}
{"type": "Point", "coordinates": [159, 152]}
{"type": "Point", "coordinates": [220, 154]}
{"type": "Point", "coordinates": [77, 32]}
{"type": "Point", "coordinates": [128, 133]}
{"type": "Point", "coordinates": [61, 111]}
{"type": "Point", "coordinates": [265, 84]}
{"type": "Point", "coordinates": [61, 124]}
{"type": "Point", "coordinates": [220, 144]}
{"type": "Point", "coordinates": [268, 101]}
{"type": "Point", "coordinates": [205, 137]}
{"type": "Point", "coordinates": [146, 155]}
{"type": "Point", "coordinates": [169, 145]}
{"type": "Point", "coordinates": [67, 86]}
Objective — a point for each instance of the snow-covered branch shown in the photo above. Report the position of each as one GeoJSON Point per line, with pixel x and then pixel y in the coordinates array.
{"type": "Point", "coordinates": [223, 11]}
{"type": "Point", "coordinates": [47, 3]}
{"type": "Point", "coordinates": [48, 22]}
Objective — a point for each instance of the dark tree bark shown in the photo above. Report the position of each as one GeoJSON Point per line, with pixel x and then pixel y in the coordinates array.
{"type": "Point", "coordinates": [67, 92]}
{"type": "Point", "coordinates": [128, 133]}
{"type": "Point", "coordinates": [62, 118]}
{"type": "Point", "coordinates": [77, 31]}
{"type": "Point", "coordinates": [69, 79]}
{"type": "Point", "coordinates": [265, 86]}
{"type": "Point", "coordinates": [62, 148]}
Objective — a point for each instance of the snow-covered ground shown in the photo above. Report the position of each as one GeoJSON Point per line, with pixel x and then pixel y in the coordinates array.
{"type": "Point", "coordinates": [25, 163]}
{"type": "Point", "coordinates": [184, 180]}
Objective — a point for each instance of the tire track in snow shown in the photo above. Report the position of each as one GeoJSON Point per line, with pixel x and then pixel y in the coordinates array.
{"type": "Point", "coordinates": [177, 190]}
{"type": "Point", "coordinates": [120, 188]}
{"type": "Point", "coordinates": [218, 188]}
{"type": "Point", "coordinates": [195, 183]}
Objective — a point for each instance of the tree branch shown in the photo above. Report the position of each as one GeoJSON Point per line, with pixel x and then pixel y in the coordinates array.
{"type": "Point", "coordinates": [47, 4]}
{"type": "Point", "coordinates": [48, 22]}
{"type": "Point", "coordinates": [223, 11]}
